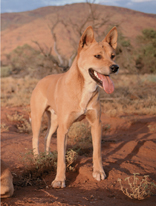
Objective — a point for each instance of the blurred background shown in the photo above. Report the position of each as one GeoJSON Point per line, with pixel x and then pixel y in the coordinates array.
{"type": "Point", "coordinates": [39, 38]}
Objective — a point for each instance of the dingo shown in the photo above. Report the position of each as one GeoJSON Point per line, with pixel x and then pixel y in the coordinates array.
{"type": "Point", "coordinates": [73, 95]}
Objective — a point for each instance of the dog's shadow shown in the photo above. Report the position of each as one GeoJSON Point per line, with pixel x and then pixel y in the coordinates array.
{"type": "Point", "coordinates": [138, 131]}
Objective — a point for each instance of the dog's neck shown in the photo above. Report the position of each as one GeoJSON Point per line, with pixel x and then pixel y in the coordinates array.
{"type": "Point", "coordinates": [78, 79]}
{"type": "Point", "coordinates": [85, 87]}
{"type": "Point", "coordinates": [74, 76]}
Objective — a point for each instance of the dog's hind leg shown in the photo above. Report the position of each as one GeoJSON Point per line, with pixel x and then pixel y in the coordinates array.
{"type": "Point", "coordinates": [52, 126]}
{"type": "Point", "coordinates": [59, 181]}
{"type": "Point", "coordinates": [36, 124]}
{"type": "Point", "coordinates": [38, 106]}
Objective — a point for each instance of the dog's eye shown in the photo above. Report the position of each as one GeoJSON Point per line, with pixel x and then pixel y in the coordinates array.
{"type": "Point", "coordinates": [98, 56]}
{"type": "Point", "coordinates": [112, 56]}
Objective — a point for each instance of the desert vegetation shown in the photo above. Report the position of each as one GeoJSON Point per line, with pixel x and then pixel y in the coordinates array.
{"type": "Point", "coordinates": [146, 55]}
{"type": "Point", "coordinates": [138, 188]}
{"type": "Point", "coordinates": [27, 61]}
{"type": "Point", "coordinates": [37, 60]}
{"type": "Point", "coordinates": [133, 94]}
{"type": "Point", "coordinates": [135, 84]}
{"type": "Point", "coordinates": [128, 129]}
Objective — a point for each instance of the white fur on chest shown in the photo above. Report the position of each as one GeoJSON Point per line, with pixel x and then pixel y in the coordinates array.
{"type": "Point", "coordinates": [87, 94]}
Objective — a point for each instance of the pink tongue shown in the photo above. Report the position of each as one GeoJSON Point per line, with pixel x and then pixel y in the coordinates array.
{"type": "Point", "coordinates": [107, 83]}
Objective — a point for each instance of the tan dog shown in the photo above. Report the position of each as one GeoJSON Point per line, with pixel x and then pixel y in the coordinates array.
{"type": "Point", "coordinates": [6, 183]}
{"type": "Point", "coordinates": [73, 95]}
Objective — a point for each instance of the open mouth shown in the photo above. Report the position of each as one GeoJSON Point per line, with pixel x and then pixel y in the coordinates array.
{"type": "Point", "coordinates": [103, 80]}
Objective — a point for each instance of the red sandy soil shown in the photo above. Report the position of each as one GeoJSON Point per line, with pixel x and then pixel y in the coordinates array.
{"type": "Point", "coordinates": [128, 147]}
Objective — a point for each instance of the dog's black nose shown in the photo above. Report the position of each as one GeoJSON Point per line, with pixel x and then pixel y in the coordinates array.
{"type": "Point", "coordinates": [114, 68]}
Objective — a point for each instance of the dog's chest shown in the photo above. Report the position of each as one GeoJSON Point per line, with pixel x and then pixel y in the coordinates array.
{"type": "Point", "coordinates": [84, 101]}
{"type": "Point", "coordinates": [87, 95]}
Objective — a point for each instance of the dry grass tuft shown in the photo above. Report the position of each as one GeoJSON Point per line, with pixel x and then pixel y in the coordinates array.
{"type": "Point", "coordinates": [71, 158]}
{"type": "Point", "coordinates": [36, 168]}
{"type": "Point", "coordinates": [23, 125]}
{"type": "Point", "coordinates": [4, 127]}
{"type": "Point", "coordinates": [138, 188]}
{"type": "Point", "coordinates": [39, 165]}
{"type": "Point", "coordinates": [151, 128]}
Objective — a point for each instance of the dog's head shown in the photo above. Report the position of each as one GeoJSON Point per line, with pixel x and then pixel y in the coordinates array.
{"type": "Point", "coordinates": [96, 59]}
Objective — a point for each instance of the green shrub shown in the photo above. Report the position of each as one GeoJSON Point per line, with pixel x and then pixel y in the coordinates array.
{"type": "Point", "coordinates": [5, 71]}
{"type": "Point", "coordinates": [124, 54]}
{"type": "Point", "coordinates": [146, 60]}
{"type": "Point", "coordinates": [149, 34]}
{"type": "Point", "coordinates": [123, 41]}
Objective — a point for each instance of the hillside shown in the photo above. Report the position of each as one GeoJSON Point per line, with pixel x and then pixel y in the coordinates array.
{"type": "Point", "coordinates": [25, 27]}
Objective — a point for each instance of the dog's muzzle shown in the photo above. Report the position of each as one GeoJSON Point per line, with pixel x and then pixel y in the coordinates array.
{"type": "Point", "coordinates": [114, 68]}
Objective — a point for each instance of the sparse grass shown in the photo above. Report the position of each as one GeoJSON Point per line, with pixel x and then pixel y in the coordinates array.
{"type": "Point", "coordinates": [138, 188]}
{"type": "Point", "coordinates": [119, 107]}
{"type": "Point", "coordinates": [79, 138]}
{"type": "Point", "coordinates": [133, 94]}
{"type": "Point", "coordinates": [79, 132]}
{"type": "Point", "coordinates": [23, 125]}
{"type": "Point", "coordinates": [36, 167]}
{"type": "Point", "coordinates": [16, 92]}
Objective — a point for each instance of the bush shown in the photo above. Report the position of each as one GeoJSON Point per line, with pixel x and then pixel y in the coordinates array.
{"type": "Point", "coordinates": [124, 54]}
{"type": "Point", "coordinates": [126, 43]}
{"type": "Point", "coordinates": [5, 71]}
{"type": "Point", "coordinates": [25, 60]}
{"type": "Point", "coordinates": [138, 188]}
{"type": "Point", "coordinates": [36, 168]}
{"type": "Point", "coordinates": [149, 34]}
{"type": "Point", "coordinates": [146, 59]}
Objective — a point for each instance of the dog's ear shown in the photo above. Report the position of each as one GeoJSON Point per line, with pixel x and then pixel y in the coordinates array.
{"type": "Point", "coordinates": [87, 38]}
{"type": "Point", "coordinates": [111, 38]}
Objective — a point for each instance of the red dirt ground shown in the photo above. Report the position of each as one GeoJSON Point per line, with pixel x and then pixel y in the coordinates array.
{"type": "Point", "coordinates": [128, 146]}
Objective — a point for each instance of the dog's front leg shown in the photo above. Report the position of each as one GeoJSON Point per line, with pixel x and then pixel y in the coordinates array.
{"type": "Point", "coordinates": [98, 172]}
{"type": "Point", "coordinates": [59, 181]}
{"type": "Point", "coordinates": [93, 118]}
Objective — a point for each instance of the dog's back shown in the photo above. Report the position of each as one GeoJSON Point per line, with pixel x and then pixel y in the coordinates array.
{"type": "Point", "coordinates": [6, 182]}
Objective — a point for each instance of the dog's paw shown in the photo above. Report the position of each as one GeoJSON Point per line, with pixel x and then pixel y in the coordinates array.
{"type": "Point", "coordinates": [58, 184]}
{"type": "Point", "coordinates": [99, 175]}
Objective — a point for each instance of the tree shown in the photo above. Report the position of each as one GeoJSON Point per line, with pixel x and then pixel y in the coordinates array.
{"type": "Point", "coordinates": [74, 29]}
